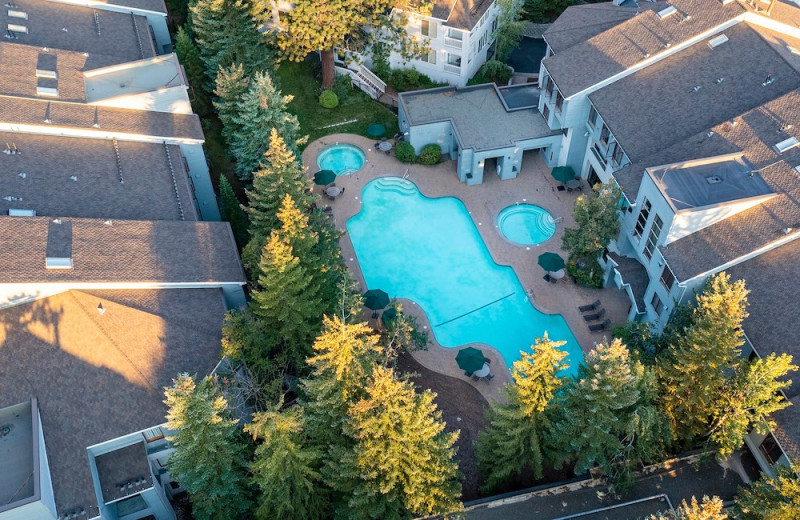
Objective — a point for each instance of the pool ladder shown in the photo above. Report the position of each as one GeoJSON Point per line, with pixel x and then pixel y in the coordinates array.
{"type": "Point", "coordinates": [406, 175]}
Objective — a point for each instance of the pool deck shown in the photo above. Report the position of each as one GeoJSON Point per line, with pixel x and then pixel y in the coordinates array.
{"type": "Point", "coordinates": [534, 185]}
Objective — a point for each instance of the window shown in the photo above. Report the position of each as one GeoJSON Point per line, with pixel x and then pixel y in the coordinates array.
{"type": "Point", "coordinates": [494, 25]}
{"type": "Point", "coordinates": [604, 135]}
{"type": "Point", "coordinates": [429, 29]}
{"type": "Point", "coordinates": [618, 156]}
{"type": "Point", "coordinates": [667, 277]}
{"type": "Point", "coordinates": [641, 221]}
{"type": "Point", "coordinates": [559, 101]}
{"type": "Point", "coordinates": [46, 74]}
{"type": "Point", "coordinates": [430, 57]}
{"type": "Point", "coordinates": [546, 113]}
{"type": "Point", "coordinates": [454, 60]}
{"type": "Point", "coordinates": [455, 34]}
{"type": "Point", "coordinates": [656, 304]}
{"type": "Point", "coordinates": [592, 117]}
{"type": "Point", "coordinates": [17, 14]}
{"type": "Point", "coordinates": [545, 81]}
{"type": "Point", "coordinates": [17, 28]}
{"type": "Point", "coordinates": [549, 89]}
{"type": "Point", "coordinates": [652, 238]}
{"type": "Point", "coordinates": [483, 40]}
{"type": "Point", "coordinates": [770, 450]}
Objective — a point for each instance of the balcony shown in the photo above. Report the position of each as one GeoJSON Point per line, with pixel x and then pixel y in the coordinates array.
{"type": "Point", "coordinates": [453, 69]}
{"type": "Point", "coordinates": [453, 43]}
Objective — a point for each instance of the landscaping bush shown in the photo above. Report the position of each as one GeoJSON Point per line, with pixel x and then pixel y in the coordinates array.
{"type": "Point", "coordinates": [404, 152]}
{"type": "Point", "coordinates": [492, 71]}
{"type": "Point", "coordinates": [343, 88]}
{"type": "Point", "coordinates": [431, 154]}
{"type": "Point", "coordinates": [586, 272]}
{"type": "Point", "coordinates": [403, 80]}
{"type": "Point", "coordinates": [328, 99]}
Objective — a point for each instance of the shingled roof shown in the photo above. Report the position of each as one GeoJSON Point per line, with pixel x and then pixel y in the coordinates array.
{"type": "Point", "coordinates": [461, 14]}
{"type": "Point", "coordinates": [130, 251]}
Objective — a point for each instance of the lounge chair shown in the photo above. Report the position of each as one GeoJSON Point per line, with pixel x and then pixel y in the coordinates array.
{"type": "Point", "coordinates": [595, 316]}
{"type": "Point", "coordinates": [600, 326]}
{"type": "Point", "coordinates": [590, 307]}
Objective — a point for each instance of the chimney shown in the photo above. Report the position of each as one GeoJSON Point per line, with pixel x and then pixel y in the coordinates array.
{"type": "Point", "coordinates": [59, 244]}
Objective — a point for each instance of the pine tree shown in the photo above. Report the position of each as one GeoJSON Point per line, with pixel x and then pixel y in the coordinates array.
{"type": "Point", "coordinates": [403, 455]}
{"type": "Point", "coordinates": [600, 423]}
{"type": "Point", "coordinates": [709, 509]}
{"type": "Point", "coordinates": [208, 459]}
{"type": "Point", "coordinates": [230, 86]}
{"type": "Point", "coordinates": [771, 498]}
{"type": "Point", "coordinates": [514, 439]}
{"type": "Point", "coordinates": [189, 57]}
{"type": "Point", "coordinates": [693, 370]}
{"type": "Point", "coordinates": [259, 110]}
{"type": "Point", "coordinates": [226, 34]}
{"type": "Point", "coordinates": [597, 218]}
{"type": "Point", "coordinates": [285, 468]}
{"type": "Point", "coordinates": [232, 211]}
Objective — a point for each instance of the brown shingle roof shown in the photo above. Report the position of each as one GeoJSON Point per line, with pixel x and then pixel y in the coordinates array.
{"type": "Point", "coordinates": [19, 64]}
{"type": "Point", "coordinates": [100, 376]}
{"type": "Point", "coordinates": [630, 42]}
{"type": "Point", "coordinates": [461, 14]}
{"type": "Point", "coordinates": [128, 251]}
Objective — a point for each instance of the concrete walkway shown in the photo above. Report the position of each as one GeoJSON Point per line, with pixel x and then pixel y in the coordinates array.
{"type": "Point", "coordinates": [533, 185]}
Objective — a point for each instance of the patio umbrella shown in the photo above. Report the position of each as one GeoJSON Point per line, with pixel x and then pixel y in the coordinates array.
{"type": "Point", "coordinates": [324, 177]}
{"type": "Point", "coordinates": [563, 174]}
{"type": "Point", "coordinates": [389, 315]}
{"type": "Point", "coordinates": [376, 130]}
{"type": "Point", "coordinates": [470, 359]}
{"type": "Point", "coordinates": [551, 262]}
{"type": "Point", "coordinates": [376, 299]}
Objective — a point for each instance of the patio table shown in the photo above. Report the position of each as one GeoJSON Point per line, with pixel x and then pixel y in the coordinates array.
{"type": "Point", "coordinates": [385, 146]}
{"type": "Point", "coordinates": [483, 372]}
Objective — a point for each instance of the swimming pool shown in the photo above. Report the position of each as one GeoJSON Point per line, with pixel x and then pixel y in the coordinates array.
{"type": "Point", "coordinates": [429, 251]}
{"type": "Point", "coordinates": [342, 159]}
{"type": "Point", "coordinates": [526, 224]}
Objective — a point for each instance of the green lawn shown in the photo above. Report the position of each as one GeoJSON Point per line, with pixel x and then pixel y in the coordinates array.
{"type": "Point", "coordinates": [358, 111]}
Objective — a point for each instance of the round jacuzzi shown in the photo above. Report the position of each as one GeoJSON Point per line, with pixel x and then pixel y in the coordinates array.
{"type": "Point", "coordinates": [526, 224]}
{"type": "Point", "coordinates": [342, 159]}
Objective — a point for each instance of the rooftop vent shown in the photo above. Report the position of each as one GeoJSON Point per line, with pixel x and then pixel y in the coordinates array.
{"type": "Point", "coordinates": [16, 28]}
{"type": "Point", "coordinates": [696, 88]}
{"type": "Point", "coordinates": [786, 144]}
{"type": "Point", "coordinates": [13, 13]}
{"type": "Point", "coordinates": [769, 80]}
{"type": "Point", "coordinates": [714, 179]}
{"type": "Point", "coordinates": [59, 245]}
{"type": "Point", "coordinates": [725, 2]}
{"type": "Point", "coordinates": [667, 11]}
{"type": "Point", "coordinates": [797, 169]}
{"type": "Point", "coordinates": [717, 41]}
{"type": "Point", "coordinates": [46, 91]}
{"type": "Point", "coordinates": [100, 308]}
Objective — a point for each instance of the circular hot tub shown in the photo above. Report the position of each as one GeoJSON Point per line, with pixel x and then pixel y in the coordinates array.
{"type": "Point", "coordinates": [526, 224]}
{"type": "Point", "coordinates": [342, 159]}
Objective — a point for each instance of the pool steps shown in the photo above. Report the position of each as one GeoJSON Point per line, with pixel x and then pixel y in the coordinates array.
{"type": "Point", "coordinates": [396, 184]}
{"type": "Point", "coordinates": [543, 221]}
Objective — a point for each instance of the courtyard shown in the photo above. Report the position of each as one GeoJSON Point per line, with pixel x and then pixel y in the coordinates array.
{"type": "Point", "coordinates": [534, 185]}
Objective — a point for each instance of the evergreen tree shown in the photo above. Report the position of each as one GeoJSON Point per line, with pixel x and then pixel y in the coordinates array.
{"type": "Point", "coordinates": [693, 370]}
{"type": "Point", "coordinates": [285, 468]}
{"type": "Point", "coordinates": [514, 439]}
{"type": "Point", "coordinates": [208, 460]}
{"type": "Point", "coordinates": [232, 211]}
{"type": "Point", "coordinates": [709, 509]}
{"type": "Point", "coordinates": [597, 218]}
{"type": "Point", "coordinates": [226, 34]}
{"type": "Point", "coordinates": [603, 409]}
{"type": "Point", "coordinates": [230, 87]}
{"type": "Point", "coordinates": [189, 57]}
{"type": "Point", "coordinates": [403, 456]}
{"type": "Point", "coordinates": [771, 498]}
{"type": "Point", "coordinates": [510, 28]}
{"type": "Point", "coordinates": [259, 110]}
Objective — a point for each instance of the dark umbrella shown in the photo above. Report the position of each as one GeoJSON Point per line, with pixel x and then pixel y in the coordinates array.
{"type": "Point", "coordinates": [376, 299]}
{"type": "Point", "coordinates": [470, 359]}
{"type": "Point", "coordinates": [376, 130]}
{"type": "Point", "coordinates": [563, 173]}
{"type": "Point", "coordinates": [324, 177]}
{"type": "Point", "coordinates": [551, 262]}
{"type": "Point", "coordinates": [389, 315]}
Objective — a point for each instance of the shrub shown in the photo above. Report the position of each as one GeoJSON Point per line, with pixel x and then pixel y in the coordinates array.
{"type": "Point", "coordinates": [586, 271]}
{"type": "Point", "coordinates": [328, 99]}
{"type": "Point", "coordinates": [404, 152]}
{"type": "Point", "coordinates": [412, 76]}
{"type": "Point", "coordinates": [492, 71]}
{"type": "Point", "coordinates": [431, 154]}
{"type": "Point", "coordinates": [343, 88]}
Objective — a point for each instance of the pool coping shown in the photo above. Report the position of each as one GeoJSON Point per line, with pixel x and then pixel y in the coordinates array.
{"type": "Point", "coordinates": [518, 244]}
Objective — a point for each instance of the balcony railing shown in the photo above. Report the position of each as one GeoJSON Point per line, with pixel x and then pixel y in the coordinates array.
{"type": "Point", "coordinates": [453, 69]}
{"type": "Point", "coordinates": [453, 43]}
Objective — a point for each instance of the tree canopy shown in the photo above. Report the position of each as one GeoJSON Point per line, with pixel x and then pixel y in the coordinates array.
{"type": "Point", "coordinates": [771, 498]}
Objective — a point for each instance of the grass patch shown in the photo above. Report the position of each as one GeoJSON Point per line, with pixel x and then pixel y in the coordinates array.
{"type": "Point", "coordinates": [299, 80]}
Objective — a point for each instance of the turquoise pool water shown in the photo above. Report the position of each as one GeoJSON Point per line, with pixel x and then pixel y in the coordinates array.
{"type": "Point", "coordinates": [429, 251]}
{"type": "Point", "coordinates": [342, 159]}
{"type": "Point", "coordinates": [526, 224]}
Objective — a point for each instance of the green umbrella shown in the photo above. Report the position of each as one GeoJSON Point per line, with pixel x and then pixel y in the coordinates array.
{"type": "Point", "coordinates": [470, 359]}
{"type": "Point", "coordinates": [324, 177]}
{"type": "Point", "coordinates": [563, 173]}
{"type": "Point", "coordinates": [389, 315]}
{"type": "Point", "coordinates": [376, 130]}
{"type": "Point", "coordinates": [375, 299]}
{"type": "Point", "coordinates": [551, 262]}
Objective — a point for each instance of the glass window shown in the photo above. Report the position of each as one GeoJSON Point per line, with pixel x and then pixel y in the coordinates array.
{"type": "Point", "coordinates": [641, 221]}
{"type": "Point", "coordinates": [549, 89]}
{"type": "Point", "coordinates": [592, 117]}
{"type": "Point", "coordinates": [559, 101]}
{"type": "Point", "coordinates": [656, 303]}
{"type": "Point", "coordinates": [494, 25]}
{"type": "Point", "coordinates": [652, 237]}
{"type": "Point", "coordinates": [453, 59]}
{"type": "Point", "coordinates": [770, 449]}
{"type": "Point", "coordinates": [545, 81]}
{"type": "Point", "coordinates": [546, 113]}
{"type": "Point", "coordinates": [667, 277]}
{"type": "Point", "coordinates": [454, 34]}
{"type": "Point", "coordinates": [430, 57]}
{"type": "Point", "coordinates": [618, 156]}
{"type": "Point", "coordinates": [604, 134]}
{"type": "Point", "coordinates": [429, 29]}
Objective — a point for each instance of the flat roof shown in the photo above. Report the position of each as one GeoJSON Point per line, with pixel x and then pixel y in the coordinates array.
{"type": "Point", "coordinates": [75, 177]}
{"type": "Point", "coordinates": [480, 119]}
{"type": "Point", "coordinates": [520, 96]}
{"type": "Point", "coordinates": [17, 446]}
{"type": "Point", "coordinates": [130, 251]}
{"type": "Point", "coordinates": [132, 78]}
{"type": "Point", "coordinates": [99, 376]}
{"type": "Point", "coordinates": [107, 36]}
{"type": "Point", "coordinates": [709, 182]}
{"type": "Point", "coordinates": [121, 466]}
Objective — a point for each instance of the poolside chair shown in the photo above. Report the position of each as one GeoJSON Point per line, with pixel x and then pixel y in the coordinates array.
{"type": "Point", "coordinates": [475, 378]}
{"type": "Point", "coordinates": [595, 316]}
{"type": "Point", "coordinates": [590, 307]}
{"type": "Point", "coordinates": [489, 378]}
{"type": "Point", "coordinates": [600, 326]}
